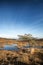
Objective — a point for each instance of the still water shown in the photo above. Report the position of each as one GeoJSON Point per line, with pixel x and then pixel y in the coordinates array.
{"type": "Point", "coordinates": [10, 47]}
{"type": "Point", "coordinates": [14, 47]}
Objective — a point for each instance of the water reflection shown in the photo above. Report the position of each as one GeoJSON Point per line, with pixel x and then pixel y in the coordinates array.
{"type": "Point", "coordinates": [10, 47]}
{"type": "Point", "coordinates": [28, 46]}
{"type": "Point", "coordinates": [15, 47]}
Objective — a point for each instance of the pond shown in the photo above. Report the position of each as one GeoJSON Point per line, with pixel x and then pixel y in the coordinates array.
{"type": "Point", "coordinates": [10, 47]}
{"type": "Point", "coordinates": [32, 46]}
{"type": "Point", "coordinates": [14, 47]}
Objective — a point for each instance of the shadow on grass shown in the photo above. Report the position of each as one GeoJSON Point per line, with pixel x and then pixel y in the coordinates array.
{"type": "Point", "coordinates": [20, 63]}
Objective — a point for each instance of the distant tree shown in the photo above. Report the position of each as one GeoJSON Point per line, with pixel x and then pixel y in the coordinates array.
{"type": "Point", "coordinates": [27, 37]}
{"type": "Point", "coordinates": [30, 39]}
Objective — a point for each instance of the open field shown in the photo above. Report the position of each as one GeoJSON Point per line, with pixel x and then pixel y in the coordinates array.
{"type": "Point", "coordinates": [28, 56]}
{"type": "Point", "coordinates": [20, 43]}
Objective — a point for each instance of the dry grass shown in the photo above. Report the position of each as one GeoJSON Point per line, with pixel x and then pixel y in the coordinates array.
{"type": "Point", "coordinates": [18, 58]}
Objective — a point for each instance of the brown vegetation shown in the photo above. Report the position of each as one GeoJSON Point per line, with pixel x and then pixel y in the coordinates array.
{"type": "Point", "coordinates": [17, 58]}
{"type": "Point", "coordinates": [20, 43]}
{"type": "Point", "coordinates": [30, 56]}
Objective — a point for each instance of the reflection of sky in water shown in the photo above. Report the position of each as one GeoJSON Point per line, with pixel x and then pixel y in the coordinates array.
{"type": "Point", "coordinates": [11, 47]}
{"type": "Point", "coordinates": [14, 47]}
{"type": "Point", "coordinates": [32, 46]}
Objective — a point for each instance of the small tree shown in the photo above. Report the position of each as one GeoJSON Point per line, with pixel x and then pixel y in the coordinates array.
{"type": "Point", "coordinates": [30, 39]}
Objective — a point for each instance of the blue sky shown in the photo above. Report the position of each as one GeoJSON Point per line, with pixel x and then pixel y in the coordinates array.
{"type": "Point", "coordinates": [20, 17]}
